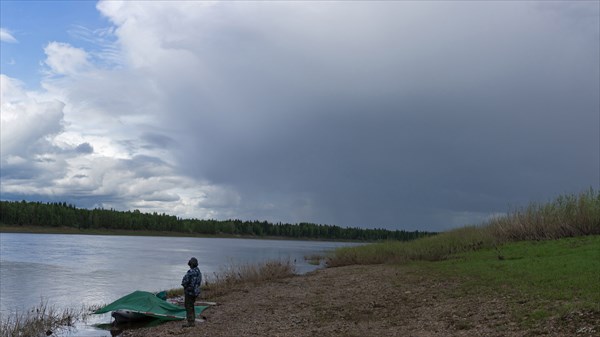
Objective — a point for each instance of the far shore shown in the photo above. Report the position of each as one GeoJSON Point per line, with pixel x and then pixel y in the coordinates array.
{"type": "Point", "coordinates": [123, 232]}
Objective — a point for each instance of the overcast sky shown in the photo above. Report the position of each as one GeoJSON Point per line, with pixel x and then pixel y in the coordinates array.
{"type": "Point", "coordinates": [405, 115]}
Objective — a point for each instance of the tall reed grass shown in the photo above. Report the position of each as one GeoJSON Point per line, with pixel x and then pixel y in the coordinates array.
{"type": "Point", "coordinates": [233, 276]}
{"type": "Point", "coordinates": [42, 320]}
{"type": "Point", "coordinates": [566, 216]}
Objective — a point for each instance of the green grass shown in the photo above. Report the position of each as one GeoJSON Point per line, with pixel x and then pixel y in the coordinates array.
{"type": "Point", "coordinates": [543, 259]}
{"type": "Point", "coordinates": [555, 276]}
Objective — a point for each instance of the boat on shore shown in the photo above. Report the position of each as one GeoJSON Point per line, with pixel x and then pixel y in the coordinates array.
{"type": "Point", "coordinates": [126, 316]}
{"type": "Point", "coordinates": [140, 305]}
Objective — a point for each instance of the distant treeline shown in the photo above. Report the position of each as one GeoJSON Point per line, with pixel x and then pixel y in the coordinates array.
{"type": "Point", "coordinates": [59, 214]}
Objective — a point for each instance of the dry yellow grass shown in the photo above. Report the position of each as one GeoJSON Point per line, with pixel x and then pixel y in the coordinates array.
{"type": "Point", "coordinates": [223, 281]}
{"type": "Point", "coordinates": [40, 320]}
{"type": "Point", "coordinates": [566, 216]}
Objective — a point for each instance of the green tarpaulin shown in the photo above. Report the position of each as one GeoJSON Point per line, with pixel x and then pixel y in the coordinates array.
{"type": "Point", "coordinates": [148, 304]}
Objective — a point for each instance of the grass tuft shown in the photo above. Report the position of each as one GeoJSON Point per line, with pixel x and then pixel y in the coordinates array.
{"type": "Point", "coordinates": [567, 216]}
{"type": "Point", "coordinates": [232, 277]}
{"type": "Point", "coordinates": [314, 259]}
{"type": "Point", "coordinates": [42, 320]}
{"type": "Point", "coordinates": [432, 248]}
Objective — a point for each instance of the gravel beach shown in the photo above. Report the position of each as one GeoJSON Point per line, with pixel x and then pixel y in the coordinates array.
{"type": "Point", "coordinates": [376, 300]}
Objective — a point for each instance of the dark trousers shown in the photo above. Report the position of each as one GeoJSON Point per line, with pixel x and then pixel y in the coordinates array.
{"type": "Point", "coordinates": [189, 308]}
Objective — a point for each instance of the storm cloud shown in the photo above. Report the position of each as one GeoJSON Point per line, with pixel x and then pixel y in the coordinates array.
{"type": "Point", "coordinates": [411, 115]}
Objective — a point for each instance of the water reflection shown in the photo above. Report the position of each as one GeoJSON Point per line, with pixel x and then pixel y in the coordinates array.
{"type": "Point", "coordinates": [116, 329]}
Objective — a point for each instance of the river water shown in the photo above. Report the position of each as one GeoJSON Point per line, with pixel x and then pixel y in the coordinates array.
{"type": "Point", "coordinates": [68, 271]}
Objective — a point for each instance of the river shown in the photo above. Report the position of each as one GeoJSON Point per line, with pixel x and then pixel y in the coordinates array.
{"type": "Point", "coordinates": [68, 271]}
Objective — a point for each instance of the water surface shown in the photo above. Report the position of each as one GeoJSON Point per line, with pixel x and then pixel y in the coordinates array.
{"type": "Point", "coordinates": [68, 271]}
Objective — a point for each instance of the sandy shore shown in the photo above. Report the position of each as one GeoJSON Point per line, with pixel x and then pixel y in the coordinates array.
{"type": "Point", "coordinates": [378, 300]}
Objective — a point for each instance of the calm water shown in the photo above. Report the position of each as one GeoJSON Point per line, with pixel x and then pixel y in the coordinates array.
{"type": "Point", "coordinates": [67, 271]}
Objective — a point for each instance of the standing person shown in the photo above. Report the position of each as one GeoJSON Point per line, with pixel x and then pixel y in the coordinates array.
{"type": "Point", "coordinates": [191, 288]}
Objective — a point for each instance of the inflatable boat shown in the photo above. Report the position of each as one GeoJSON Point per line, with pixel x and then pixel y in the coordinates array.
{"type": "Point", "coordinates": [142, 304]}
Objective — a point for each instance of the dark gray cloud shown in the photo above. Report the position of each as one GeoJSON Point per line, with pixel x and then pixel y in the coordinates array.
{"type": "Point", "coordinates": [84, 148]}
{"type": "Point", "coordinates": [473, 112]}
{"type": "Point", "coordinates": [156, 140]}
{"type": "Point", "coordinates": [412, 115]}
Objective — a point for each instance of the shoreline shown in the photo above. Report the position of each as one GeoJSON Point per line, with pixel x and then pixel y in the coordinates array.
{"type": "Point", "coordinates": [123, 232]}
{"type": "Point", "coordinates": [419, 298]}
{"type": "Point", "coordinates": [374, 300]}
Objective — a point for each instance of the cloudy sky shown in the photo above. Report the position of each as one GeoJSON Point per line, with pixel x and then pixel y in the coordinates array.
{"type": "Point", "coordinates": [409, 115]}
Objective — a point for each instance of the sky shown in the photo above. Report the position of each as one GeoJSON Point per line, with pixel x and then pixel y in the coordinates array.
{"type": "Point", "coordinates": [424, 115]}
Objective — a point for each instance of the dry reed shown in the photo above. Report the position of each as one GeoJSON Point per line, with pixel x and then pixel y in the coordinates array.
{"type": "Point", "coordinates": [232, 277]}
{"type": "Point", "coordinates": [566, 216]}
{"type": "Point", "coordinates": [41, 320]}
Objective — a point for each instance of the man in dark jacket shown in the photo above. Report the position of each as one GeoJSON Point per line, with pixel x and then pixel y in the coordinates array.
{"type": "Point", "coordinates": [191, 288]}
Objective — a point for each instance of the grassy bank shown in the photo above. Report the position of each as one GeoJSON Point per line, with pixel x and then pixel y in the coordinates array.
{"type": "Point", "coordinates": [540, 279]}
{"type": "Point", "coordinates": [566, 216]}
{"type": "Point", "coordinates": [545, 258]}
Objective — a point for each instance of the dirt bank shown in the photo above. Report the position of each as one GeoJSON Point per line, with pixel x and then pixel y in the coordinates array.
{"type": "Point", "coordinates": [376, 300]}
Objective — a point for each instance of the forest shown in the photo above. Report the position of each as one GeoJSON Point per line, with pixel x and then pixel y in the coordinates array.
{"type": "Point", "coordinates": [61, 214]}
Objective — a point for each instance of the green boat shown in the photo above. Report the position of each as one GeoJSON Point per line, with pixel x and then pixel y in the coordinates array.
{"type": "Point", "coordinates": [141, 305]}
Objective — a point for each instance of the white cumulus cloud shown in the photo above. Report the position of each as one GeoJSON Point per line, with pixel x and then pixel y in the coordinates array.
{"type": "Point", "coordinates": [6, 36]}
{"type": "Point", "coordinates": [27, 121]}
{"type": "Point", "coordinates": [64, 59]}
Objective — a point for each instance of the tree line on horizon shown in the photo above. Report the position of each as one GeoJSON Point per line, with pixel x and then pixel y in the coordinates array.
{"type": "Point", "coordinates": [61, 214]}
